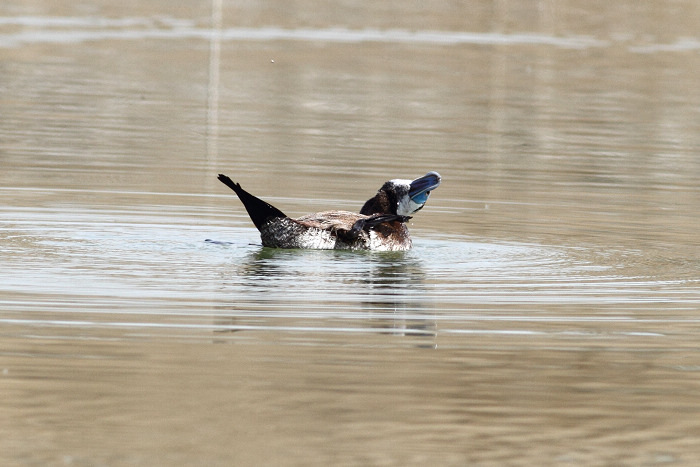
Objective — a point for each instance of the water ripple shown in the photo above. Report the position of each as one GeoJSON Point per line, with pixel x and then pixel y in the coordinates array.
{"type": "Point", "coordinates": [105, 269]}
{"type": "Point", "coordinates": [60, 30]}
{"type": "Point", "coordinates": [81, 29]}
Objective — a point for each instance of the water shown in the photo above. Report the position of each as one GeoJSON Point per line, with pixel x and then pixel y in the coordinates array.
{"type": "Point", "coordinates": [547, 314]}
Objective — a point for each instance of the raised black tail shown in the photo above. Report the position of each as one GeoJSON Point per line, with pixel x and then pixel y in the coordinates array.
{"type": "Point", "coordinates": [258, 210]}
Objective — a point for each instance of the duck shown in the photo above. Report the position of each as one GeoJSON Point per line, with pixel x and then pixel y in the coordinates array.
{"type": "Point", "coordinates": [379, 226]}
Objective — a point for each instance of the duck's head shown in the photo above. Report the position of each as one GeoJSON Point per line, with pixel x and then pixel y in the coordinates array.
{"type": "Point", "coordinates": [402, 197]}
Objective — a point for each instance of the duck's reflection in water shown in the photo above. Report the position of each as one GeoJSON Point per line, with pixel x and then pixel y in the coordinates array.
{"type": "Point", "coordinates": [395, 291]}
{"type": "Point", "coordinates": [315, 291]}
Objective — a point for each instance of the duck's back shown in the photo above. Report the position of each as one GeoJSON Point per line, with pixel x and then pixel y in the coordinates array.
{"type": "Point", "coordinates": [329, 230]}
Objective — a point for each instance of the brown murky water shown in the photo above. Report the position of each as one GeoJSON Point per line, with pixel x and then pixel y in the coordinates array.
{"type": "Point", "coordinates": [548, 314]}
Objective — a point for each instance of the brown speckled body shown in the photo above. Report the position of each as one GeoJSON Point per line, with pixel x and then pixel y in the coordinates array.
{"type": "Point", "coordinates": [330, 231]}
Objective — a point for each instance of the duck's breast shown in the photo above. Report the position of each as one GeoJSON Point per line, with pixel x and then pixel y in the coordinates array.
{"type": "Point", "coordinates": [391, 236]}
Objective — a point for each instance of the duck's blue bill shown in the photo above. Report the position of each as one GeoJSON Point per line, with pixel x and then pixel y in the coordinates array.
{"type": "Point", "coordinates": [421, 187]}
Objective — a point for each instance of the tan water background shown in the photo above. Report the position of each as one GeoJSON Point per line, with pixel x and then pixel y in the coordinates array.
{"type": "Point", "coordinates": [549, 313]}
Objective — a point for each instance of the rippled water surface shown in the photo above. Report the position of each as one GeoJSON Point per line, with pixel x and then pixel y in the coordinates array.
{"type": "Point", "coordinates": [548, 313]}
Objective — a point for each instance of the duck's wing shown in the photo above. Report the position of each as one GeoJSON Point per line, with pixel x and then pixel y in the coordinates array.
{"type": "Point", "coordinates": [370, 222]}
{"type": "Point", "coordinates": [330, 220]}
{"type": "Point", "coordinates": [347, 225]}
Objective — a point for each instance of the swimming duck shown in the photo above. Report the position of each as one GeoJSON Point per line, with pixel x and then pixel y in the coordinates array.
{"type": "Point", "coordinates": [380, 224]}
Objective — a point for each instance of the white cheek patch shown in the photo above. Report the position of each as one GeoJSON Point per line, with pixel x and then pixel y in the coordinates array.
{"type": "Point", "coordinates": [407, 207]}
